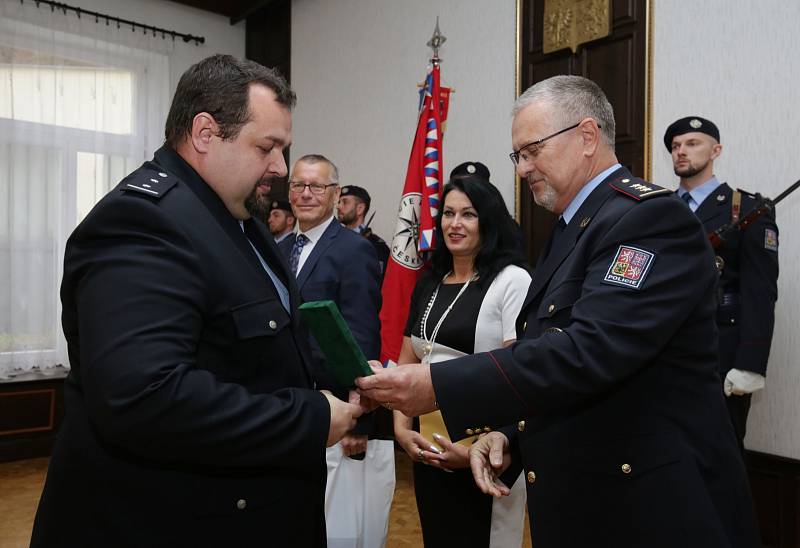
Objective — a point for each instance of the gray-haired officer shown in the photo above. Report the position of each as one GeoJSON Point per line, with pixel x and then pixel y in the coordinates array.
{"type": "Point", "coordinates": [281, 220]}
{"type": "Point", "coordinates": [351, 210]}
{"type": "Point", "coordinates": [748, 262]}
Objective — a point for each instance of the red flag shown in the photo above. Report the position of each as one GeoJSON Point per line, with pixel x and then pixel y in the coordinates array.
{"type": "Point", "coordinates": [414, 235]}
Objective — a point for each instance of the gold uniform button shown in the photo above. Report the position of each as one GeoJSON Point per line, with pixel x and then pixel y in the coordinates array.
{"type": "Point", "coordinates": [626, 468]}
{"type": "Point", "coordinates": [551, 308]}
{"type": "Point", "coordinates": [273, 324]}
{"type": "Point", "coordinates": [241, 504]}
{"type": "Point", "coordinates": [487, 429]}
{"type": "Point", "coordinates": [521, 426]}
{"type": "Point", "coordinates": [469, 431]}
{"type": "Point", "coordinates": [531, 477]}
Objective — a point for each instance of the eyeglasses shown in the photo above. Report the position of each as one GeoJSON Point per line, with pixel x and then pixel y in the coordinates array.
{"type": "Point", "coordinates": [316, 188]}
{"type": "Point", "coordinates": [532, 149]}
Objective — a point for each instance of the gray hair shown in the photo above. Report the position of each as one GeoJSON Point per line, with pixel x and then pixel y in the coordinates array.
{"type": "Point", "coordinates": [316, 158]}
{"type": "Point", "coordinates": [573, 98]}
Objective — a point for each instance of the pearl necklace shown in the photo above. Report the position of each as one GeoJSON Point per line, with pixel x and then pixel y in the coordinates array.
{"type": "Point", "coordinates": [428, 346]}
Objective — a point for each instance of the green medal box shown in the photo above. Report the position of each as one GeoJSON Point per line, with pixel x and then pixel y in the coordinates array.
{"type": "Point", "coordinates": [343, 357]}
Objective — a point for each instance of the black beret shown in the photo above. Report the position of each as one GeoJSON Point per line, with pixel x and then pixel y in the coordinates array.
{"type": "Point", "coordinates": [470, 169]}
{"type": "Point", "coordinates": [281, 204]}
{"type": "Point", "coordinates": [688, 125]}
{"type": "Point", "coordinates": [358, 192]}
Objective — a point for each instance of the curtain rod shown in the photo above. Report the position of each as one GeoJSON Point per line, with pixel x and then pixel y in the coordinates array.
{"type": "Point", "coordinates": [109, 18]}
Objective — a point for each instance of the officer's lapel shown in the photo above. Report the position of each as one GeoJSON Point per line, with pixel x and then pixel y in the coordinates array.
{"type": "Point", "coordinates": [717, 203]}
{"type": "Point", "coordinates": [319, 248]}
{"type": "Point", "coordinates": [561, 248]}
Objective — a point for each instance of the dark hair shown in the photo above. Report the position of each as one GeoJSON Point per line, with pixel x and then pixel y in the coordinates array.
{"type": "Point", "coordinates": [220, 85]}
{"type": "Point", "coordinates": [498, 231]}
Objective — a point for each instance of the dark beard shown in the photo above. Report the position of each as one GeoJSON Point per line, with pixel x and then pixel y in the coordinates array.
{"type": "Point", "coordinates": [257, 206]}
{"type": "Point", "coordinates": [689, 171]}
{"type": "Point", "coordinates": [347, 218]}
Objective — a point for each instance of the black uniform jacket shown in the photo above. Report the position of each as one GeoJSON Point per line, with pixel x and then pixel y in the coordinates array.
{"type": "Point", "coordinates": [190, 414]}
{"type": "Point", "coordinates": [748, 283]}
{"type": "Point", "coordinates": [612, 390]}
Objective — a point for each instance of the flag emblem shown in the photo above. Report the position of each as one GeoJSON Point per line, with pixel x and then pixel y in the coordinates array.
{"type": "Point", "coordinates": [629, 267]}
{"type": "Point", "coordinates": [406, 233]}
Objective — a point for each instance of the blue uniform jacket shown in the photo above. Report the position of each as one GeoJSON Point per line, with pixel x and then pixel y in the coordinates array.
{"type": "Point", "coordinates": [612, 389]}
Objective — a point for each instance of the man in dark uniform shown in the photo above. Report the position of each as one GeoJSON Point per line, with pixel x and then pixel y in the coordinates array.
{"type": "Point", "coordinates": [610, 398]}
{"type": "Point", "coordinates": [281, 221]}
{"type": "Point", "coordinates": [747, 263]}
{"type": "Point", "coordinates": [351, 210]}
{"type": "Point", "coordinates": [192, 415]}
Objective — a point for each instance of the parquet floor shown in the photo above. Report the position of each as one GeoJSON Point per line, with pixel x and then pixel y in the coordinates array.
{"type": "Point", "coordinates": [21, 485]}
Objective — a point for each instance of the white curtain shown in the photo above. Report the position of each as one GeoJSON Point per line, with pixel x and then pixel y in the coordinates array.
{"type": "Point", "coordinates": [82, 103]}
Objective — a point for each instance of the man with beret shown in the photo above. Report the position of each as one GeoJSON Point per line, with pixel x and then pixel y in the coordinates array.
{"type": "Point", "coordinates": [281, 220]}
{"type": "Point", "coordinates": [747, 263]}
{"type": "Point", "coordinates": [352, 209]}
{"type": "Point", "coordinates": [610, 397]}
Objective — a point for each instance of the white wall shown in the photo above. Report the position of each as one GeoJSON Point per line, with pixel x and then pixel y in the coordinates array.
{"type": "Point", "coordinates": [735, 62]}
{"type": "Point", "coordinates": [356, 65]}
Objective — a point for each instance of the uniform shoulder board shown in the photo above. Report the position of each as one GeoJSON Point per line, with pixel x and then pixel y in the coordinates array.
{"type": "Point", "coordinates": [638, 189]}
{"type": "Point", "coordinates": [149, 181]}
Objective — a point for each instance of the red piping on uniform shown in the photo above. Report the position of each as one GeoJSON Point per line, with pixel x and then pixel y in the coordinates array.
{"type": "Point", "coordinates": [499, 368]}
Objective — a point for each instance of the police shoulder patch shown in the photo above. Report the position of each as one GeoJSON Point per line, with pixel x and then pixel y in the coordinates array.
{"type": "Point", "coordinates": [770, 239]}
{"type": "Point", "coordinates": [630, 267]}
{"type": "Point", "coordinates": [638, 189]}
{"type": "Point", "coordinates": [150, 183]}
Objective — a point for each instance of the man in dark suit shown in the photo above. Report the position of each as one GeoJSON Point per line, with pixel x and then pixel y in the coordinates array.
{"type": "Point", "coordinates": [192, 414]}
{"type": "Point", "coordinates": [610, 399]}
{"type": "Point", "coordinates": [747, 263]}
{"type": "Point", "coordinates": [334, 263]}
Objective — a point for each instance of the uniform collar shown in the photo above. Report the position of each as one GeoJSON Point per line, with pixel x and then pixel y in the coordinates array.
{"type": "Point", "coordinates": [584, 192]}
{"type": "Point", "coordinates": [700, 193]}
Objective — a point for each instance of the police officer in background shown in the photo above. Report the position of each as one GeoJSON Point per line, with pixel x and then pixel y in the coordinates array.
{"type": "Point", "coordinates": [352, 209]}
{"type": "Point", "coordinates": [747, 262]}
{"type": "Point", "coordinates": [281, 220]}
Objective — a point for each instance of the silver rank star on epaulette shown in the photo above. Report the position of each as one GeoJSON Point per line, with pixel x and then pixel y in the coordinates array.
{"type": "Point", "coordinates": [638, 189]}
{"type": "Point", "coordinates": [151, 183]}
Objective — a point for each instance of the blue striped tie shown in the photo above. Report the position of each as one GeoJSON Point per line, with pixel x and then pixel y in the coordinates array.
{"type": "Point", "coordinates": [297, 248]}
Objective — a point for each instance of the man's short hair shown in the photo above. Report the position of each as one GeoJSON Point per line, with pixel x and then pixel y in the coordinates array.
{"type": "Point", "coordinates": [573, 98]}
{"type": "Point", "coordinates": [315, 159]}
{"type": "Point", "coordinates": [220, 86]}
{"type": "Point", "coordinates": [359, 193]}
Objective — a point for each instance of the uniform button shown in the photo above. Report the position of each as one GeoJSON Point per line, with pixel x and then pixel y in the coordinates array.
{"type": "Point", "coordinates": [626, 468]}
{"type": "Point", "coordinates": [469, 431]}
{"type": "Point", "coordinates": [487, 429]}
{"type": "Point", "coordinates": [273, 324]}
{"type": "Point", "coordinates": [241, 504]}
{"type": "Point", "coordinates": [626, 180]}
{"type": "Point", "coordinates": [531, 476]}
{"type": "Point", "coordinates": [521, 426]}
{"type": "Point", "coordinates": [733, 320]}
{"type": "Point", "coordinates": [551, 308]}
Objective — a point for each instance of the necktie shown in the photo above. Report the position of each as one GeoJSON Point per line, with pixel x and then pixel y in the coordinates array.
{"type": "Point", "coordinates": [297, 248]}
{"type": "Point", "coordinates": [283, 293]}
{"type": "Point", "coordinates": [687, 197]}
{"type": "Point", "coordinates": [558, 229]}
